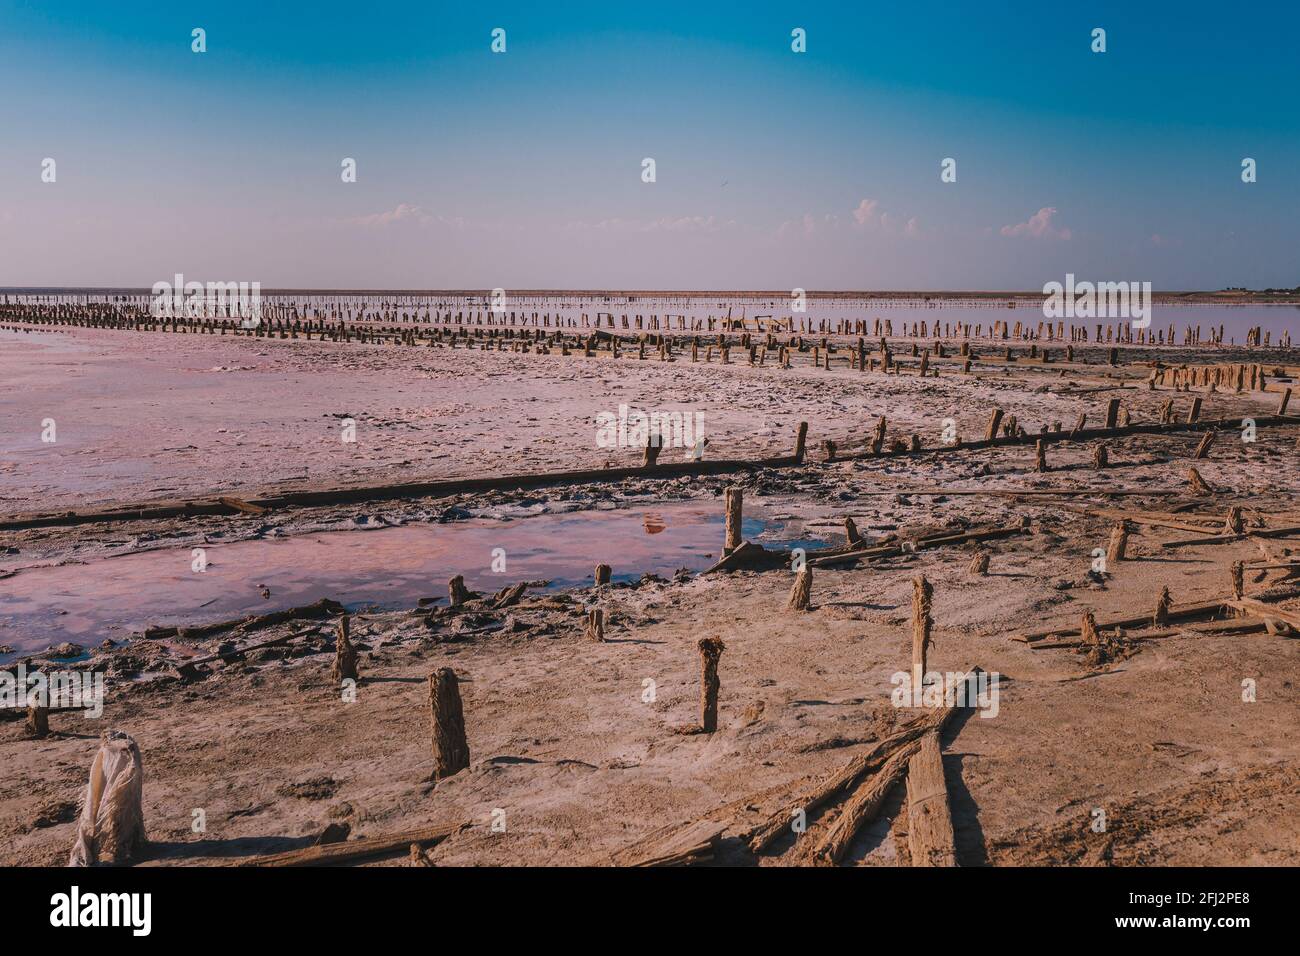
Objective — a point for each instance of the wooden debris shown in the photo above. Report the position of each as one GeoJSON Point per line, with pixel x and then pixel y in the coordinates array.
{"type": "Point", "coordinates": [929, 818]}
{"type": "Point", "coordinates": [674, 845]}
{"type": "Point", "coordinates": [356, 851]}
{"type": "Point", "coordinates": [979, 564]}
{"type": "Point", "coordinates": [603, 574]}
{"type": "Point", "coordinates": [1203, 447]}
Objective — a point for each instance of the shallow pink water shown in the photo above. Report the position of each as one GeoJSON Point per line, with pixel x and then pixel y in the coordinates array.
{"type": "Point", "coordinates": [386, 567]}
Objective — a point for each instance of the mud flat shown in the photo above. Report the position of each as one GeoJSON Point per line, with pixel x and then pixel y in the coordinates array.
{"type": "Point", "coordinates": [1173, 723]}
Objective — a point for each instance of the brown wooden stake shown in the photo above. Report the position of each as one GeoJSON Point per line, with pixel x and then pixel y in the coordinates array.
{"type": "Point", "coordinates": [979, 564]}
{"type": "Point", "coordinates": [1112, 412]}
{"type": "Point", "coordinates": [603, 574]}
{"type": "Point", "coordinates": [734, 505]}
{"type": "Point", "coordinates": [1283, 401]}
{"type": "Point", "coordinates": [1040, 456]}
{"type": "Point", "coordinates": [457, 593]}
{"type": "Point", "coordinates": [1203, 448]}
{"type": "Point", "coordinates": [995, 419]}
{"type": "Point", "coordinates": [653, 446]}
{"type": "Point", "coordinates": [1161, 616]}
{"type": "Point", "coordinates": [1088, 629]}
{"type": "Point", "coordinates": [1238, 575]}
{"type": "Point", "coordinates": [801, 593]}
{"type": "Point", "coordinates": [596, 625]}
{"type": "Point", "coordinates": [801, 440]}
{"type": "Point", "coordinates": [711, 649]}
{"type": "Point", "coordinates": [1194, 413]}
{"type": "Point", "coordinates": [1235, 522]}
{"type": "Point", "coordinates": [922, 597]}
{"type": "Point", "coordinates": [1099, 456]}
{"type": "Point", "coordinates": [851, 531]}
{"type": "Point", "coordinates": [450, 748]}
{"type": "Point", "coordinates": [345, 655]}
{"type": "Point", "coordinates": [1199, 487]}
{"type": "Point", "coordinates": [1115, 552]}
{"type": "Point", "coordinates": [38, 720]}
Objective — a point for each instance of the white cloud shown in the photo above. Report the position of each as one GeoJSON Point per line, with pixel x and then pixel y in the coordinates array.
{"type": "Point", "coordinates": [1038, 226]}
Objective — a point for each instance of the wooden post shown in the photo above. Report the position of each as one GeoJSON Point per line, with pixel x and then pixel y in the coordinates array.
{"type": "Point", "coordinates": [1234, 523]}
{"type": "Point", "coordinates": [450, 748]}
{"type": "Point", "coordinates": [801, 439]}
{"type": "Point", "coordinates": [851, 530]}
{"type": "Point", "coordinates": [1112, 412]}
{"type": "Point", "coordinates": [1118, 544]}
{"type": "Point", "coordinates": [1161, 616]}
{"type": "Point", "coordinates": [1283, 401]}
{"type": "Point", "coordinates": [457, 593]}
{"type": "Point", "coordinates": [653, 446]}
{"type": "Point", "coordinates": [711, 649]}
{"type": "Point", "coordinates": [922, 595]}
{"type": "Point", "coordinates": [1203, 448]}
{"type": "Point", "coordinates": [596, 625]}
{"type": "Point", "coordinates": [345, 655]}
{"type": "Point", "coordinates": [1099, 455]}
{"type": "Point", "coordinates": [1088, 629]}
{"type": "Point", "coordinates": [38, 720]}
{"type": "Point", "coordinates": [734, 504]}
{"type": "Point", "coordinates": [1238, 575]}
{"type": "Point", "coordinates": [995, 419]}
{"type": "Point", "coordinates": [603, 574]}
{"type": "Point", "coordinates": [1040, 456]}
{"type": "Point", "coordinates": [1199, 487]}
{"type": "Point", "coordinates": [801, 593]}
{"type": "Point", "coordinates": [979, 564]}
{"type": "Point", "coordinates": [1194, 413]}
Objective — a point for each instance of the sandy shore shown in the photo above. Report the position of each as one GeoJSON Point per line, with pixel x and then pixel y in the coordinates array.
{"type": "Point", "coordinates": [568, 753]}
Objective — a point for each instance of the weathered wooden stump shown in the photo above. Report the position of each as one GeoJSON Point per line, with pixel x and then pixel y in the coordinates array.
{"type": "Point", "coordinates": [1161, 616]}
{"type": "Point", "coordinates": [801, 593]}
{"type": "Point", "coordinates": [1118, 546]}
{"type": "Point", "coordinates": [1203, 448]}
{"type": "Point", "coordinates": [596, 625]}
{"type": "Point", "coordinates": [734, 506]}
{"type": "Point", "coordinates": [457, 593]}
{"type": "Point", "coordinates": [603, 574]}
{"type": "Point", "coordinates": [450, 748]}
{"type": "Point", "coordinates": [922, 597]}
{"type": "Point", "coordinates": [711, 649]}
{"type": "Point", "coordinates": [345, 655]}
{"type": "Point", "coordinates": [979, 564]}
{"type": "Point", "coordinates": [1199, 487]}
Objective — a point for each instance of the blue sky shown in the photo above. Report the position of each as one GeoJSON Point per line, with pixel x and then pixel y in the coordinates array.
{"type": "Point", "coordinates": [773, 169]}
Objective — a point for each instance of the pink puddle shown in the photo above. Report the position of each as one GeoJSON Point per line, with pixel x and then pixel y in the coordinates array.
{"type": "Point", "coordinates": [384, 568]}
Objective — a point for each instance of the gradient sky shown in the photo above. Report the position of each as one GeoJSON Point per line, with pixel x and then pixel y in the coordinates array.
{"type": "Point", "coordinates": [775, 170]}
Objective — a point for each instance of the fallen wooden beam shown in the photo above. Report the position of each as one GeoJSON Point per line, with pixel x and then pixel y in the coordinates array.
{"type": "Point", "coordinates": [1228, 538]}
{"type": "Point", "coordinates": [675, 845]}
{"type": "Point", "coordinates": [355, 851]}
{"type": "Point", "coordinates": [929, 818]}
{"type": "Point", "coordinates": [863, 806]}
{"type": "Point", "coordinates": [1183, 612]}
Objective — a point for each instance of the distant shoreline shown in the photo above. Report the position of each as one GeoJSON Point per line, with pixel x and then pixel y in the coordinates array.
{"type": "Point", "coordinates": [1233, 297]}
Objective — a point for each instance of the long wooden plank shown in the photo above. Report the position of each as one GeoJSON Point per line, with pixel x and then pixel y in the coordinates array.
{"type": "Point", "coordinates": [863, 806]}
{"type": "Point", "coordinates": [929, 818]}
{"type": "Point", "coordinates": [355, 851]}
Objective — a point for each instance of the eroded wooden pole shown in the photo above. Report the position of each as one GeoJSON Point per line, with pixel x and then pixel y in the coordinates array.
{"type": "Point", "coordinates": [711, 649]}
{"type": "Point", "coordinates": [450, 748]}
